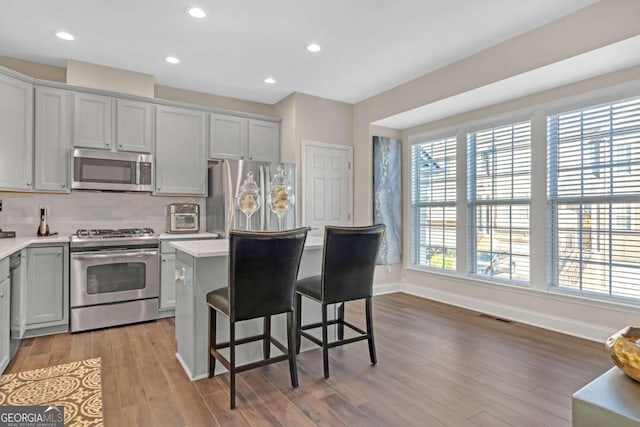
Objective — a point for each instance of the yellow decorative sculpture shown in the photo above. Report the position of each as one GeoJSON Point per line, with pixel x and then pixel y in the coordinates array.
{"type": "Point", "coordinates": [624, 349]}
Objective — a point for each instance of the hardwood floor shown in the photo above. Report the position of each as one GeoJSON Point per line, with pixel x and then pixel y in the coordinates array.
{"type": "Point", "coordinates": [438, 365]}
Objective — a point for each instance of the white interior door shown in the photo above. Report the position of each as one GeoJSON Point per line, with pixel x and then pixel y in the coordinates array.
{"type": "Point", "coordinates": [327, 185]}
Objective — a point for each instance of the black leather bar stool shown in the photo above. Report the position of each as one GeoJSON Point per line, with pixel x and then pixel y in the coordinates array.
{"type": "Point", "coordinates": [349, 260]}
{"type": "Point", "coordinates": [263, 268]}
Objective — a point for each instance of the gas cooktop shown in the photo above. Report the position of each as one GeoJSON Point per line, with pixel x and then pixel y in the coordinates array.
{"type": "Point", "coordinates": [96, 233]}
{"type": "Point", "coordinates": [90, 237]}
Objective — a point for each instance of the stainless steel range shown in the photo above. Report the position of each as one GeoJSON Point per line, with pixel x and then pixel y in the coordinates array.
{"type": "Point", "coordinates": [114, 277]}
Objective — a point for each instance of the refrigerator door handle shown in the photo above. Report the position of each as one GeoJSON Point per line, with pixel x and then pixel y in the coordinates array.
{"type": "Point", "coordinates": [229, 199]}
{"type": "Point", "coordinates": [263, 198]}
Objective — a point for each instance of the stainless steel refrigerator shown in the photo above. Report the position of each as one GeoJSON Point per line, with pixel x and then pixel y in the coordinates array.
{"type": "Point", "coordinates": [225, 181]}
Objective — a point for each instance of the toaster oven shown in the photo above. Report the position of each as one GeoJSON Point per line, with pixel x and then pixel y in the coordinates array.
{"type": "Point", "coordinates": [183, 218]}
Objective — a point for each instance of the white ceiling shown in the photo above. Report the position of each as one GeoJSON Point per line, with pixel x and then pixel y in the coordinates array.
{"type": "Point", "coordinates": [368, 45]}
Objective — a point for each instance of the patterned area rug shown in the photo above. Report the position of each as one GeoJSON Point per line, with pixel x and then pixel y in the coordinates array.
{"type": "Point", "coordinates": [76, 386]}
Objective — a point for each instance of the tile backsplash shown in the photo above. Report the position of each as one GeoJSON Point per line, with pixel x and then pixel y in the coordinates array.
{"type": "Point", "coordinates": [89, 209]}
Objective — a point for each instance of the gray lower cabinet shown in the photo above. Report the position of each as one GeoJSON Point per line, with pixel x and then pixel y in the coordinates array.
{"type": "Point", "coordinates": [5, 317]}
{"type": "Point", "coordinates": [18, 297]}
{"type": "Point", "coordinates": [52, 140]}
{"type": "Point", "coordinates": [47, 290]}
{"type": "Point", "coordinates": [168, 274]}
{"type": "Point", "coordinates": [5, 323]}
{"type": "Point", "coordinates": [181, 151]}
{"type": "Point", "coordinates": [16, 134]}
{"type": "Point", "coordinates": [167, 282]}
{"type": "Point", "coordinates": [185, 316]}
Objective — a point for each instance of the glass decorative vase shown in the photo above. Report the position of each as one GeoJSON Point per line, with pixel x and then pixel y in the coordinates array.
{"type": "Point", "coordinates": [281, 197]}
{"type": "Point", "coordinates": [248, 200]}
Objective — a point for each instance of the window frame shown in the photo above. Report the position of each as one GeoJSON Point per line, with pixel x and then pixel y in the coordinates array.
{"type": "Point", "coordinates": [473, 203]}
{"type": "Point", "coordinates": [414, 244]}
{"type": "Point", "coordinates": [481, 118]}
{"type": "Point", "coordinates": [584, 201]}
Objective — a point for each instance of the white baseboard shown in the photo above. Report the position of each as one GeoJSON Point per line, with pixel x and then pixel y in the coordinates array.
{"type": "Point", "coordinates": [387, 288]}
{"type": "Point", "coordinates": [188, 371]}
{"type": "Point", "coordinates": [563, 325]}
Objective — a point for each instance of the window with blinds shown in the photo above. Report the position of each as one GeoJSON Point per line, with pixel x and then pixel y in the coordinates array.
{"type": "Point", "coordinates": [594, 193]}
{"type": "Point", "coordinates": [433, 203]}
{"type": "Point", "coordinates": [499, 194]}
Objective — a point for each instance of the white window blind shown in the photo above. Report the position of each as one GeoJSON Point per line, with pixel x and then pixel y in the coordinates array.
{"type": "Point", "coordinates": [499, 194]}
{"type": "Point", "coordinates": [594, 194]}
{"type": "Point", "coordinates": [433, 203]}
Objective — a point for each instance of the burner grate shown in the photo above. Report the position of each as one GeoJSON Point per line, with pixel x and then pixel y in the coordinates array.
{"type": "Point", "coordinates": [103, 233]}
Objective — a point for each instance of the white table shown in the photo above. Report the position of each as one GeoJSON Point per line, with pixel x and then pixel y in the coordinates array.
{"type": "Point", "coordinates": [611, 400]}
{"type": "Point", "coordinates": [202, 266]}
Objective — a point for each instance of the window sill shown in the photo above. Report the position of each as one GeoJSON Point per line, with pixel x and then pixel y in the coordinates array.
{"type": "Point", "coordinates": [553, 293]}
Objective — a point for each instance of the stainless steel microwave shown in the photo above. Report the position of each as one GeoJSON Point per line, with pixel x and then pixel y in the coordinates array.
{"type": "Point", "coordinates": [111, 171]}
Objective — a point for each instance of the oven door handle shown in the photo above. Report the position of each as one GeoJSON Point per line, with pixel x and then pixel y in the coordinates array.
{"type": "Point", "coordinates": [112, 254]}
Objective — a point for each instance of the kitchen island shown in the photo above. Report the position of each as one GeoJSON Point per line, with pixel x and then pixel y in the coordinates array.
{"type": "Point", "coordinates": [202, 266]}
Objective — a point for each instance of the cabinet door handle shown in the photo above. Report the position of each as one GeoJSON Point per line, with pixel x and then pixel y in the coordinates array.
{"type": "Point", "coordinates": [164, 260]}
{"type": "Point", "coordinates": [63, 185]}
{"type": "Point", "coordinates": [1, 294]}
{"type": "Point", "coordinates": [28, 184]}
{"type": "Point", "coordinates": [180, 273]}
{"type": "Point", "coordinates": [59, 253]}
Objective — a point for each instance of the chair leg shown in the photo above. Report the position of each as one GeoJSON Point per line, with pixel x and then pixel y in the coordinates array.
{"type": "Point", "coordinates": [232, 362]}
{"type": "Point", "coordinates": [341, 319]}
{"type": "Point", "coordinates": [291, 338]}
{"type": "Point", "coordinates": [266, 341]}
{"type": "Point", "coordinates": [212, 341]}
{"type": "Point", "coordinates": [298, 311]}
{"type": "Point", "coordinates": [325, 342]}
{"type": "Point", "coordinates": [372, 343]}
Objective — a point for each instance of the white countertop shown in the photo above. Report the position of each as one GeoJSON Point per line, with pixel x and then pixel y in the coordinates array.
{"type": "Point", "coordinates": [178, 236]}
{"type": "Point", "coordinates": [9, 246]}
{"type": "Point", "coordinates": [220, 247]}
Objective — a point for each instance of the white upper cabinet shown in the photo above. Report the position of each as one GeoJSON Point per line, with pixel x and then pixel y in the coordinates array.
{"type": "Point", "coordinates": [92, 121]}
{"type": "Point", "coordinates": [111, 123]}
{"type": "Point", "coordinates": [234, 137]}
{"type": "Point", "coordinates": [228, 137]}
{"type": "Point", "coordinates": [264, 141]}
{"type": "Point", "coordinates": [52, 140]}
{"type": "Point", "coordinates": [181, 151]}
{"type": "Point", "coordinates": [16, 134]}
{"type": "Point", "coordinates": [134, 126]}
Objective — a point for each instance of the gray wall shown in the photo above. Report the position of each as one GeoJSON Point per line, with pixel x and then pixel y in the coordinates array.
{"type": "Point", "coordinates": [87, 209]}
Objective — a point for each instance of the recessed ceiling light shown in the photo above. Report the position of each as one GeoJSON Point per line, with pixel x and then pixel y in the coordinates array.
{"type": "Point", "coordinates": [172, 60]}
{"type": "Point", "coordinates": [313, 47]}
{"type": "Point", "coordinates": [196, 12]}
{"type": "Point", "coordinates": [270, 80]}
{"type": "Point", "coordinates": [64, 35]}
